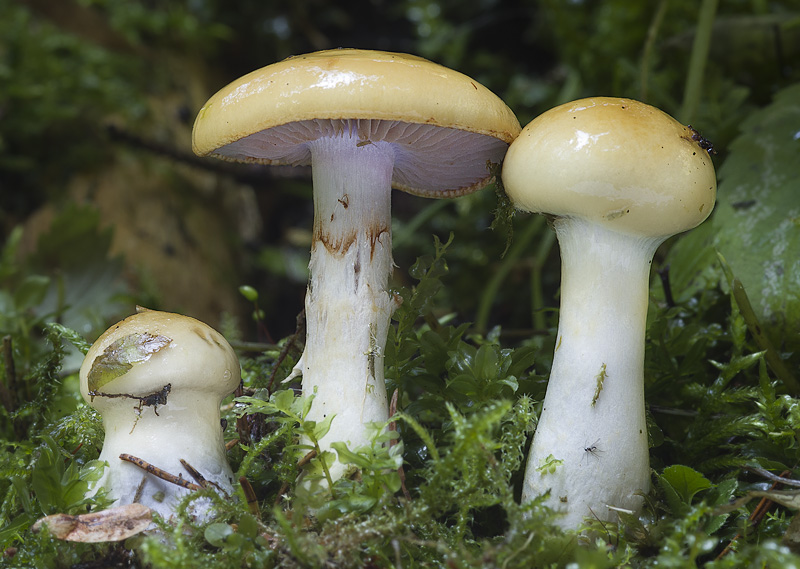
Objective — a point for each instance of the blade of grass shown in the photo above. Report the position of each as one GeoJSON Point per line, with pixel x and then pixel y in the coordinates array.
{"type": "Point", "coordinates": [693, 89]}
{"type": "Point", "coordinates": [520, 246]}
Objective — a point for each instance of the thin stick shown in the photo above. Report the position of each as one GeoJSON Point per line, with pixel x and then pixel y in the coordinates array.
{"type": "Point", "coordinates": [663, 274]}
{"type": "Point", "coordinates": [11, 375]}
{"type": "Point", "coordinates": [199, 478]}
{"type": "Point", "coordinates": [250, 496]}
{"type": "Point", "coordinates": [300, 328]}
{"type": "Point", "coordinates": [774, 477]}
{"type": "Point", "coordinates": [139, 490]}
{"type": "Point", "coordinates": [762, 508]}
{"type": "Point", "coordinates": [306, 459]}
{"type": "Point", "coordinates": [158, 473]}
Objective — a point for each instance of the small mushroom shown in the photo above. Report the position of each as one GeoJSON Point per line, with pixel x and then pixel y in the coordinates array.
{"type": "Point", "coordinates": [158, 379]}
{"type": "Point", "coordinates": [618, 177]}
{"type": "Point", "coordinates": [366, 121]}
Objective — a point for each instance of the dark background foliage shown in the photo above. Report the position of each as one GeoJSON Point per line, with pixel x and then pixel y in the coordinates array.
{"type": "Point", "coordinates": [99, 98]}
{"type": "Point", "coordinates": [103, 206]}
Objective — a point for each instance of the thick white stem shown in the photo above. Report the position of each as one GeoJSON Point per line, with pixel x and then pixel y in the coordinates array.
{"type": "Point", "coordinates": [348, 306]}
{"type": "Point", "coordinates": [187, 427]}
{"type": "Point", "coordinates": [592, 428]}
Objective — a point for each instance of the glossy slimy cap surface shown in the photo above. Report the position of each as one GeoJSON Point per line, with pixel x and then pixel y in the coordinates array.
{"type": "Point", "coordinates": [617, 162]}
{"type": "Point", "coordinates": [146, 351]}
{"type": "Point", "coordinates": [444, 126]}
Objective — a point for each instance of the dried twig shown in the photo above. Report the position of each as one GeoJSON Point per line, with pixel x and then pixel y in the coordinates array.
{"type": "Point", "coordinates": [761, 509]}
{"type": "Point", "coordinates": [250, 496]}
{"type": "Point", "coordinates": [6, 397]}
{"type": "Point", "coordinates": [158, 473]}
{"type": "Point", "coordinates": [300, 330]}
{"type": "Point", "coordinates": [780, 479]}
{"type": "Point", "coordinates": [306, 459]}
{"type": "Point", "coordinates": [199, 478]}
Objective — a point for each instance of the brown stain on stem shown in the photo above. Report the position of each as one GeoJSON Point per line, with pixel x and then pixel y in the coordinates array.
{"type": "Point", "coordinates": [338, 246]}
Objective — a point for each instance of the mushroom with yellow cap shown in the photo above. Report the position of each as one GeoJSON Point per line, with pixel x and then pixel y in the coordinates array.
{"type": "Point", "coordinates": [366, 121]}
{"type": "Point", "coordinates": [618, 178]}
{"type": "Point", "coordinates": [158, 379]}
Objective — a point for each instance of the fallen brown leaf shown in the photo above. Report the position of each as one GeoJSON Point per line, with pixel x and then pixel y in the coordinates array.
{"type": "Point", "coordinates": [113, 524]}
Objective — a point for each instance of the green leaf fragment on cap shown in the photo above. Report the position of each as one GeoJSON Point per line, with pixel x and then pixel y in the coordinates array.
{"type": "Point", "coordinates": [120, 356]}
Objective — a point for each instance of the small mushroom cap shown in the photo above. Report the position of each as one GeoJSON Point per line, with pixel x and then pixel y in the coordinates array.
{"type": "Point", "coordinates": [444, 125]}
{"type": "Point", "coordinates": [617, 162]}
{"type": "Point", "coordinates": [144, 352]}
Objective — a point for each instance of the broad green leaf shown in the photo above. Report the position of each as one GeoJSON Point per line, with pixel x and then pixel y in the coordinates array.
{"type": "Point", "coordinates": [486, 362]}
{"type": "Point", "coordinates": [31, 291]}
{"type": "Point", "coordinates": [346, 456]}
{"type": "Point", "coordinates": [217, 533]}
{"type": "Point", "coordinates": [319, 429]}
{"type": "Point", "coordinates": [722, 494]}
{"type": "Point", "coordinates": [685, 481]}
{"type": "Point", "coordinates": [283, 400]}
{"type": "Point", "coordinates": [756, 222]}
{"type": "Point", "coordinates": [120, 356]}
{"type": "Point", "coordinates": [248, 526]}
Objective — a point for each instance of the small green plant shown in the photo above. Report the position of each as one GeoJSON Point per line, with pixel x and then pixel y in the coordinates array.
{"type": "Point", "coordinates": [286, 408]}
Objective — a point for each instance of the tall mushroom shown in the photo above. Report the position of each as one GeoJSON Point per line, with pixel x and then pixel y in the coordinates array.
{"type": "Point", "coordinates": [366, 121]}
{"type": "Point", "coordinates": [158, 379]}
{"type": "Point", "coordinates": [618, 177]}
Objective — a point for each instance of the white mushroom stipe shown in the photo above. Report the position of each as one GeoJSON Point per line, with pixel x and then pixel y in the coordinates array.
{"type": "Point", "coordinates": [619, 177]}
{"type": "Point", "coordinates": [348, 305]}
{"type": "Point", "coordinates": [367, 122]}
{"type": "Point", "coordinates": [595, 397]}
{"type": "Point", "coordinates": [158, 379]}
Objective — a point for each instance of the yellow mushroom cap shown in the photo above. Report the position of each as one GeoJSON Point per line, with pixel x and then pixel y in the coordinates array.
{"type": "Point", "coordinates": [141, 354]}
{"type": "Point", "coordinates": [617, 162]}
{"type": "Point", "coordinates": [270, 115]}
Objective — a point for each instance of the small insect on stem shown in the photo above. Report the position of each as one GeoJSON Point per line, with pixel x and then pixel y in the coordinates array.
{"type": "Point", "coordinates": [593, 450]}
{"type": "Point", "coordinates": [600, 378]}
{"type": "Point", "coordinates": [373, 354]}
{"type": "Point", "coordinates": [374, 351]}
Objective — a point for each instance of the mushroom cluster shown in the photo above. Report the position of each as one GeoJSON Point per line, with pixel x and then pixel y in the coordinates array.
{"type": "Point", "coordinates": [158, 380]}
{"type": "Point", "coordinates": [366, 122]}
{"type": "Point", "coordinates": [618, 177]}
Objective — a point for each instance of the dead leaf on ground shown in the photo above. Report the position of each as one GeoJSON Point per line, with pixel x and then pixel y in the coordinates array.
{"type": "Point", "coordinates": [113, 524]}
